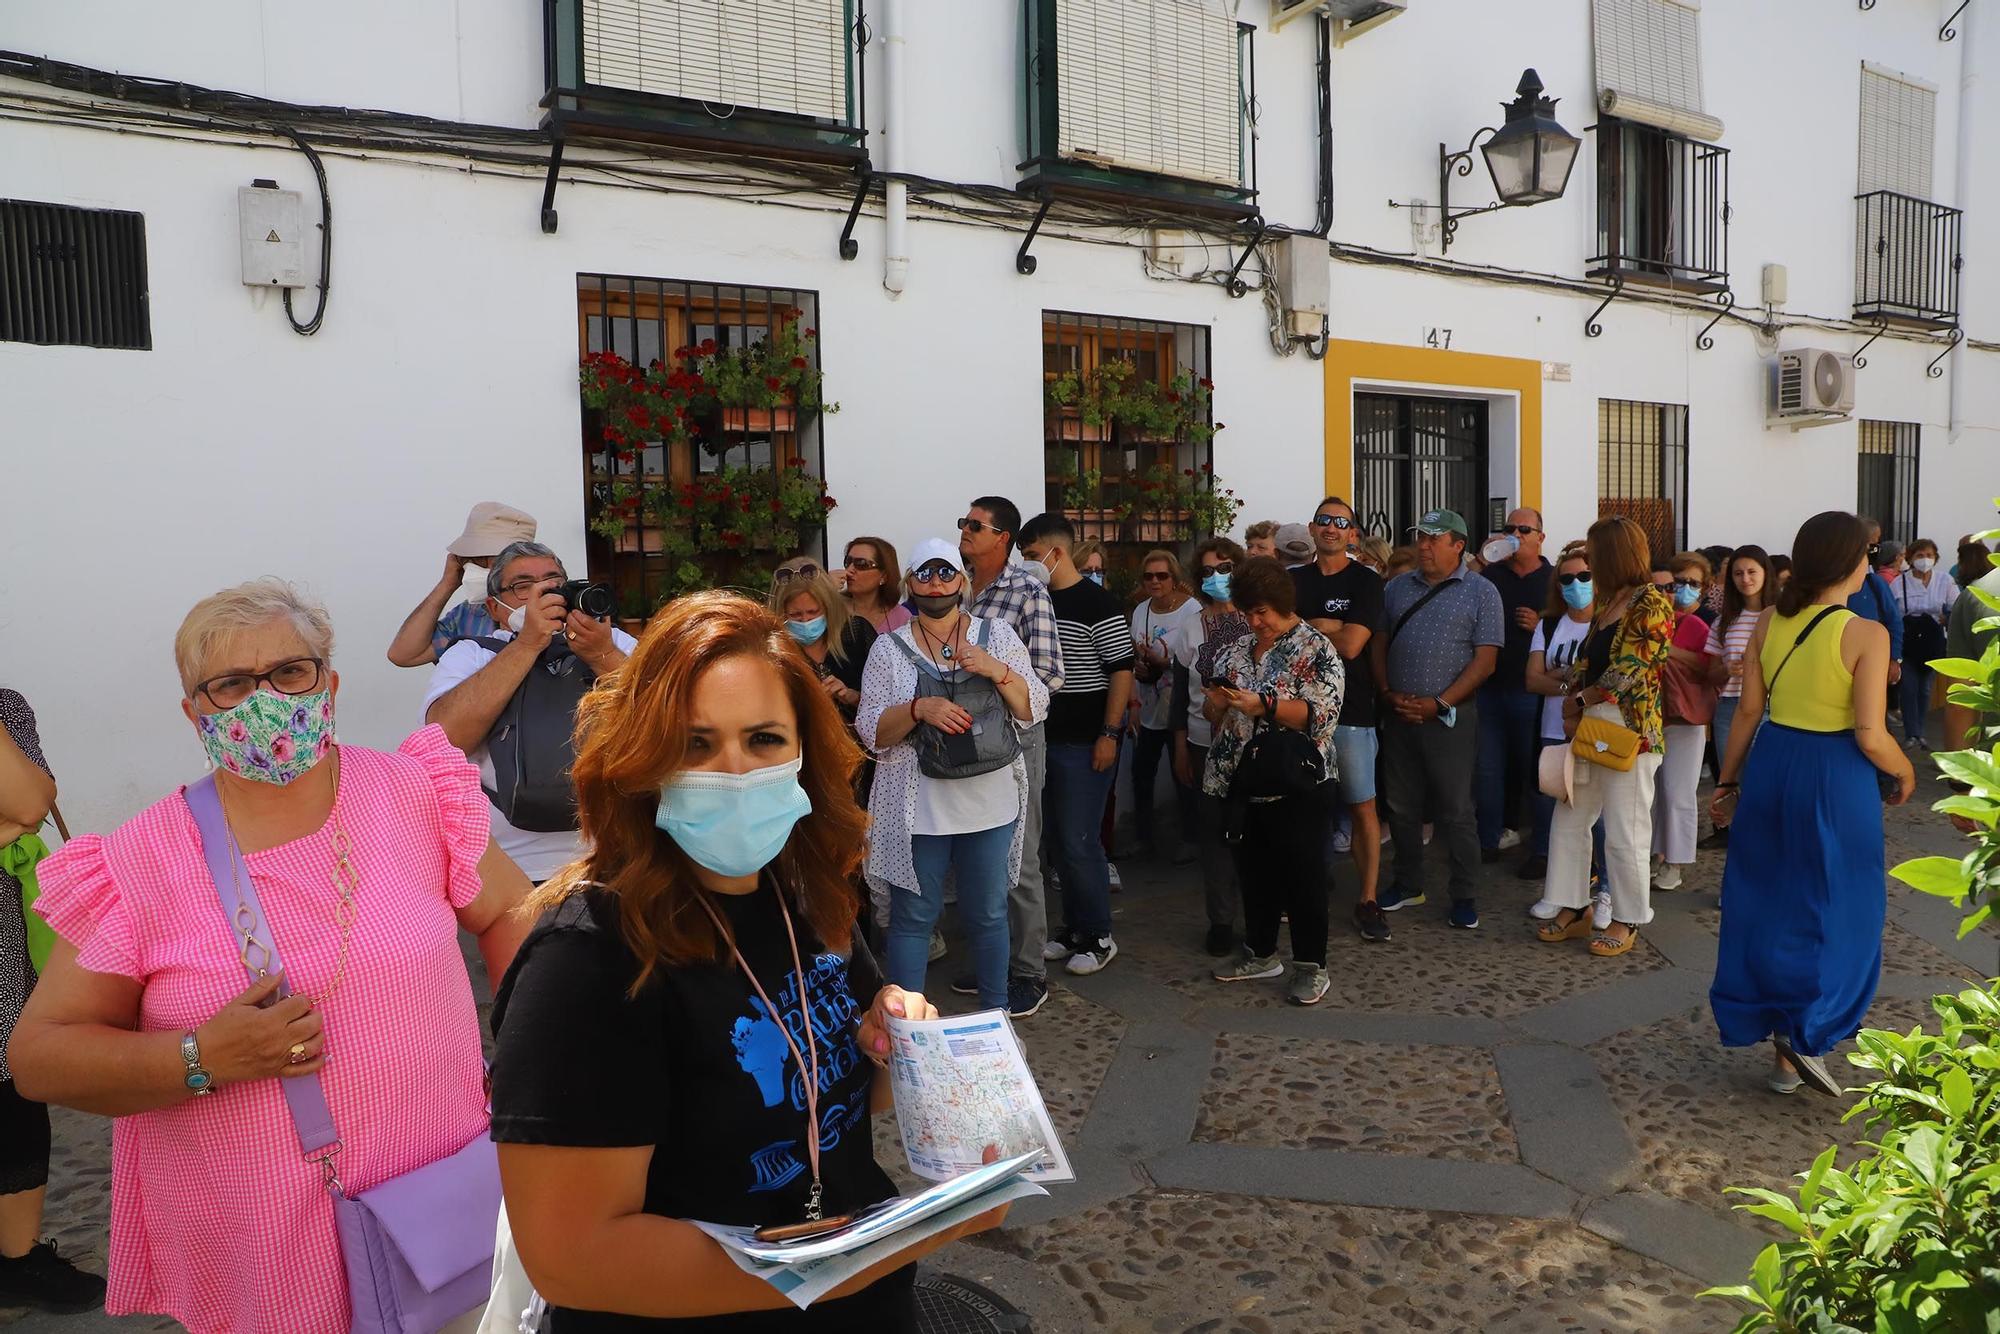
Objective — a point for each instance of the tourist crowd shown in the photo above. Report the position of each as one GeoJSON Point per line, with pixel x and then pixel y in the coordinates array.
{"type": "Point", "coordinates": [259, 976]}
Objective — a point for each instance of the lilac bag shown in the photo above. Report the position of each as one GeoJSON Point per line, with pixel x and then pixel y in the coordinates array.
{"type": "Point", "coordinates": [418, 1248]}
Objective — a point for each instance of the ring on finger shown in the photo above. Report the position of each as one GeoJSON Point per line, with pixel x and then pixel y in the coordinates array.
{"type": "Point", "coordinates": [298, 1054]}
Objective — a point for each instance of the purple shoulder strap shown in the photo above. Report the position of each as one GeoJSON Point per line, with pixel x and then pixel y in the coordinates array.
{"type": "Point", "coordinates": [312, 1118]}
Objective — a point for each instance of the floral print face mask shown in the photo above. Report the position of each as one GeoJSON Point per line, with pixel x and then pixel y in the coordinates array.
{"type": "Point", "coordinates": [269, 737]}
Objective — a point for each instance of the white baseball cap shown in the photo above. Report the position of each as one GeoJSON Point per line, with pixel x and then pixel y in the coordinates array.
{"type": "Point", "coordinates": [934, 549]}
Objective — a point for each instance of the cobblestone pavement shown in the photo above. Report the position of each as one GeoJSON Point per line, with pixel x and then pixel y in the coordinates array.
{"type": "Point", "coordinates": [1473, 1131]}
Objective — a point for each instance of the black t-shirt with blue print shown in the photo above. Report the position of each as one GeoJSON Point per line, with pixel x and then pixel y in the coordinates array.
{"type": "Point", "coordinates": [696, 1067]}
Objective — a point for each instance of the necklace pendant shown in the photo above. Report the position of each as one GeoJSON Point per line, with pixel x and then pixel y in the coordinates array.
{"type": "Point", "coordinates": [813, 1205]}
{"type": "Point", "coordinates": [946, 653]}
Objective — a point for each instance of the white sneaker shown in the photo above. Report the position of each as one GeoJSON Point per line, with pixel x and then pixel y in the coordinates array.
{"type": "Point", "coordinates": [937, 947]}
{"type": "Point", "coordinates": [1092, 955]}
{"type": "Point", "coordinates": [1667, 877]}
{"type": "Point", "coordinates": [1343, 840]}
{"type": "Point", "coordinates": [1509, 838]}
{"type": "Point", "coordinates": [1600, 909]}
{"type": "Point", "coordinates": [1111, 873]}
{"type": "Point", "coordinates": [1058, 947]}
{"type": "Point", "coordinates": [1544, 911]}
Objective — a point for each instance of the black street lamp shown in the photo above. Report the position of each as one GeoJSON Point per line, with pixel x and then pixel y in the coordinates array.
{"type": "Point", "coordinates": [1529, 157]}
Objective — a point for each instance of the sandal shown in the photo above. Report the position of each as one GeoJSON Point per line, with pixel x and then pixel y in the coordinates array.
{"type": "Point", "coordinates": [1607, 946]}
{"type": "Point", "coordinates": [1556, 931]}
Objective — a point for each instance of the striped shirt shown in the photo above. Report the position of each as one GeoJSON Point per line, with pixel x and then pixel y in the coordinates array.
{"type": "Point", "coordinates": [1096, 645]}
{"type": "Point", "coordinates": [1732, 643]}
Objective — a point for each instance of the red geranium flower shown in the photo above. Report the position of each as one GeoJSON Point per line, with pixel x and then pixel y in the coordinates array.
{"type": "Point", "coordinates": [777, 506]}
{"type": "Point", "coordinates": [773, 383]}
{"type": "Point", "coordinates": [708, 347]}
{"type": "Point", "coordinates": [812, 333]}
{"type": "Point", "coordinates": [799, 363]}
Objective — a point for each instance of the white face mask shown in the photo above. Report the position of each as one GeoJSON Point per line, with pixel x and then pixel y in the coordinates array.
{"type": "Point", "coordinates": [516, 618]}
{"type": "Point", "coordinates": [1922, 564]}
{"type": "Point", "coordinates": [1035, 570]}
{"type": "Point", "coordinates": [474, 583]}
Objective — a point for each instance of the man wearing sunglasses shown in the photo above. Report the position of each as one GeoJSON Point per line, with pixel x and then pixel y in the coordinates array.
{"type": "Point", "coordinates": [1504, 767]}
{"type": "Point", "coordinates": [1342, 599]}
{"type": "Point", "coordinates": [1001, 591]}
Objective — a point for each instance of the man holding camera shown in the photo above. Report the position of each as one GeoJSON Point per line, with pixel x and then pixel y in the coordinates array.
{"type": "Point", "coordinates": [516, 692]}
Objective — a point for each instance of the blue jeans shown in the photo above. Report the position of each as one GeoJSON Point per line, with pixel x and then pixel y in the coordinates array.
{"type": "Point", "coordinates": [1545, 811]}
{"type": "Point", "coordinates": [1074, 803]}
{"type": "Point", "coordinates": [980, 861]}
{"type": "Point", "coordinates": [1509, 721]}
{"type": "Point", "coordinates": [1916, 688]}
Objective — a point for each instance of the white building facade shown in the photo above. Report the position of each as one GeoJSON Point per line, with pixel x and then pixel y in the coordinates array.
{"type": "Point", "coordinates": [712, 150]}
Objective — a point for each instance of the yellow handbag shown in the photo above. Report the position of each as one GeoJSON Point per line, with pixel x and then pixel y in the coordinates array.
{"type": "Point", "coordinates": [1610, 744]}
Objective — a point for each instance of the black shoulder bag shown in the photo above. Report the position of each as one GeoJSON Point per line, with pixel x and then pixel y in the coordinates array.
{"type": "Point", "coordinates": [1277, 761]}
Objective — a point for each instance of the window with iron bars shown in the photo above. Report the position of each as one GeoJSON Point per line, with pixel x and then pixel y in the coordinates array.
{"type": "Point", "coordinates": [1127, 430]}
{"type": "Point", "coordinates": [1662, 208]}
{"type": "Point", "coordinates": [652, 492]}
{"type": "Point", "coordinates": [1642, 469]}
{"type": "Point", "coordinates": [1886, 480]}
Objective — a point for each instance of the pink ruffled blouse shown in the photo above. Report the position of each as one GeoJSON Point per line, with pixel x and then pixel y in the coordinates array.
{"type": "Point", "coordinates": [216, 1220]}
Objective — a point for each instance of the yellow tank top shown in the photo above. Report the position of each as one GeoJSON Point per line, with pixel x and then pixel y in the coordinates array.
{"type": "Point", "coordinates": [1815, 693]}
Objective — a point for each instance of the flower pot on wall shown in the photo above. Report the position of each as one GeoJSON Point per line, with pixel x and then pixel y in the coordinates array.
{"type": "Point", "coordinates": [784, 417]}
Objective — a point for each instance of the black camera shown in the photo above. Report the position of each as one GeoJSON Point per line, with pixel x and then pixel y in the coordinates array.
{"type": "Point", "coordinates": [593, 600]}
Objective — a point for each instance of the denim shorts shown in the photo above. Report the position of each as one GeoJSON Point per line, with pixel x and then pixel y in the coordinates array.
{"type": "Point", "coordinates": [1354, 750]}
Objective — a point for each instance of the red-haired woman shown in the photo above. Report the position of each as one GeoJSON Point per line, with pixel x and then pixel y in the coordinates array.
{"type": "Point", "coordinates": [683, 1035]}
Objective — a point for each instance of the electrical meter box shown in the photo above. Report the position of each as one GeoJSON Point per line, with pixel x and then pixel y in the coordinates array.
{"type": "Point", "coordinates": [273, 239]}
{"type": "Point", "coordinates": [1304, 277]}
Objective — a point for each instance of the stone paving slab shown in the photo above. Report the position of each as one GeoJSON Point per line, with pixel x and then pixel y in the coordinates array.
{"type": "Point", "coordinates": [1373, 1179]}
{"type": "Point", "coordinates": [1567, 1127]}
{"type": "Point", "coordinates": [1398, 1098]}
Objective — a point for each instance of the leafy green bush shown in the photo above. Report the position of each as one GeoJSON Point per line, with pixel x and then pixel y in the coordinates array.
{"type": "Point", "coordinates": [1907, 1239]}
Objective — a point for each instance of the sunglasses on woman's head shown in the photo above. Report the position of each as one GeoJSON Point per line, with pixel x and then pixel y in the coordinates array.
{"type": "Point", "coordinates": [1336, 520]}
{"type": "Point", "coordinates": [787, 573]}
{"type": "Point", "coordinates": [1575, 577]}
{"type": "Point", "coordinates": [937, 572]}
{"type": "Point", "coordinates": [862, 563]}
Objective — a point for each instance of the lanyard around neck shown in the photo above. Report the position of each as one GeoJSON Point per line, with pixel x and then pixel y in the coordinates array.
{"type": "Point", "coordinates": [808, 1063]}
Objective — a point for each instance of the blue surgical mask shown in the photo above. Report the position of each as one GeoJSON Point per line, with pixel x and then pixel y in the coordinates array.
{"type": "Point", "coordinates": [1685, 597]}
{"type": "Point", "coordinates": [1095, 577]}
{"type": "Point", "coordinates": [1216, 586]}
{"type": "Point", "coordinates": [733, 824]}
{"type": "Point", "coordinates": [808, 632]}
{"type": "Point", "coordinates": [1578, 594]}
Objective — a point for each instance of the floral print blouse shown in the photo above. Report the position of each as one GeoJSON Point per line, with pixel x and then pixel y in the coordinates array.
{"type": "Point", "coordinates": [1302, 664]}
{"type": "Point", "coordinates": [1632, 679]}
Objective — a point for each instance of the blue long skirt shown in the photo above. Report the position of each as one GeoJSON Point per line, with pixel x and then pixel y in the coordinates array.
{"type": "Point", "coordinates": [1802, 894]}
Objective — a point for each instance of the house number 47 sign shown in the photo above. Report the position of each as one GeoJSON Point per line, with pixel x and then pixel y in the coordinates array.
{"type": "Point", "coordinates": [1436, 337]}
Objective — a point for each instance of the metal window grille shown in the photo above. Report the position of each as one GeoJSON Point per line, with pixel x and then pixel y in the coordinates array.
{"type": "Point", "coordinates": [1886, 481]}
{"type": "Point", "coordinates": [1413, 454]}
{"type": "Point", "coordinates": [645, 320]}
{"type": "Point", "coordinates": [1906, 259]}
{"type": "Point", "coordinates": [1662, 207]}
{"type": "Point", "coordinates": [73, 276]}
{"type": "Point", "coordinates": [1642, 469]}
{"type": "Point", "coordinates": [1103, 475]}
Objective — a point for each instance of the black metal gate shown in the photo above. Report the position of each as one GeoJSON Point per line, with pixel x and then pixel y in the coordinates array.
{"type": "Point", "coordinates": [1415, 454]}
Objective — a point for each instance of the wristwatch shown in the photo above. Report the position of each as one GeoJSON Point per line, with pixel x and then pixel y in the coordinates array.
{"type": "Point", "coordinates": [1114, 733]}
{"type": "Point", "coordinates": [198, 1080]}
{"type": "Point", "coordinates": [1447, 714]}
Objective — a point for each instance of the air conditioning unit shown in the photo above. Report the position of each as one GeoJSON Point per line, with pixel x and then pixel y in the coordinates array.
{"type": "Point", "coordinates": [1352, 17]}
{"type": "Point", "coordinates": [1814, 387]}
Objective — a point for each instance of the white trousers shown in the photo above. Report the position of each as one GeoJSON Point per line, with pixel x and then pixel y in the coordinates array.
{"type": "Point", "coordinates": [1675, 821]}
{"type": "Point", "coordinates": [1625, 802]}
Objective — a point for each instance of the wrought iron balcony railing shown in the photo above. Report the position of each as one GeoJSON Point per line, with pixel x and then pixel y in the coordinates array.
{"type": "Point", "coordinates": [1906, 259]}
{"type": "Point", "coordinates": [1662, 207]}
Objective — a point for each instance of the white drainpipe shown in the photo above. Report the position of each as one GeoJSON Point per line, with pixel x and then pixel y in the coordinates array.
{"type": "Point", "coordinates": [896, 198]}
{"type": "Point", "coordinates": [1974, 99]}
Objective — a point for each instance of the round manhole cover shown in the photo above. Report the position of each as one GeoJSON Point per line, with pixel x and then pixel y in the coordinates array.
{"type": "Point", "coordinates": [950, 1305]}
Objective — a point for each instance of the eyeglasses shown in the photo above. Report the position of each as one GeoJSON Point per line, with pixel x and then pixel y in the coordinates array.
{"type": "Point", "coordinates": [976, 526]}
{"type": "Point", "coordinates": [937, 572]}
{"type": "Point", "coordinates": [787, 573]}
{"type": "Point", "coordinates": [521, 588]}
{"type": "Point", "coordinates": [1687, 583]}
{"type": "Point", "coordinates": [299, 676]}
{"type": "Point", "coordinates": [1519, 529]}
{"type": "Point", "coordinates": [862, 563]}
{"type": "Point", "coordinates": [1151, 576]}
{"type": "Point", "coordinates": [1220, 567]}
{"type": "Point", "coordinates": [1336, 520]}
{"type": "Point", "coordinates": [1575, 577]}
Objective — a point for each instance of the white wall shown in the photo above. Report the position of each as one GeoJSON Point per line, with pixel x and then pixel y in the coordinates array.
{"type": "Point", "coordinates": [445, 372]}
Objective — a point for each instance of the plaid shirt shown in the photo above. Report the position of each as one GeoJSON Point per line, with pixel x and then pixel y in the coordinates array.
{"type": "Point", "coordinates": [1016, 598]}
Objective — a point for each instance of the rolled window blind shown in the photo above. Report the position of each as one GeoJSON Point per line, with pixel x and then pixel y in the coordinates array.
{"type": "Point", "coordinates": [1898, 129]}
{"type": "Point", "coordinates": [775, 55]}
{"type": "Point", "coordinates": [1648, 55]}
{"type": "Point", "coordinates": [1150, 85]}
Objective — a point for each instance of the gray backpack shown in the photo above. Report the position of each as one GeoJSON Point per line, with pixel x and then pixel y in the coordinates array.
{"type": "Point", "coordinates": [531, 745]}
{"type": "Point", "coordinates": [993, 741]}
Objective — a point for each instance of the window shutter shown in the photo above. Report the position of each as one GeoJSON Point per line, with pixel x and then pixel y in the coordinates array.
{"type": "Point", "coordinates": [1648, 55]}
{"type": "Point", "coordinates": [1150, 85]}
{"type": "Point", "coordinates": [786, 56]}
{"type": "Point", "coordinates": [1898, 128]}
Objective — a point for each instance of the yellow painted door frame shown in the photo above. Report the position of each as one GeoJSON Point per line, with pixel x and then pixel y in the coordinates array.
{"type": "Point", "coordinates": [1351, 364]}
